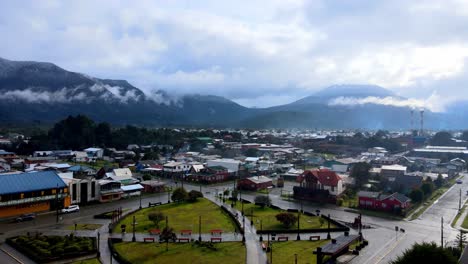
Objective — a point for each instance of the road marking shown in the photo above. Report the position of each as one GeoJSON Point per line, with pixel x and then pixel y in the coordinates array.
{"type": "Point", "coordinates": [395, 243]}
{"type": "Point", "coordinates": [13, 257]}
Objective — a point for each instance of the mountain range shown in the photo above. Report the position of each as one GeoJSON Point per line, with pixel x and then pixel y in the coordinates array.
{"type": "Point", "coordinates": [32, 92]}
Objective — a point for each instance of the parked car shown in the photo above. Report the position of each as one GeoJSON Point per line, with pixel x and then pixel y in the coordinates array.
{"type": "Point", "coordinates": [459, 181]}
{"type": "Point", "coordinates": [71, 209]}
{"type": "Point", "coordinates": [25, 217]}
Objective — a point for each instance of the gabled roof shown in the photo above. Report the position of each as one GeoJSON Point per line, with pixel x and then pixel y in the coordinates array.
{"type": "Point", "coordinates": [28, 182]}
{"type": "Point", "coordinates": [400, 197]}
{"type": "Point", "coordinates": [81, 168]}
{"type": "Point", "coordinates": [327, 177]}
{"type": "Point", "coordinates": [368, 194]}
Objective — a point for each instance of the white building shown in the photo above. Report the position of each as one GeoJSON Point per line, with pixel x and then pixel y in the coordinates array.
{"type": "Point", "coordinates": [94, 152]}
{"type": "Point", "coordinates": [230, 164]}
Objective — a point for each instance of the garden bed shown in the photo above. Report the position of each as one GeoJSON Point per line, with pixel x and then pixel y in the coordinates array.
{"type": "Point", "coordinates": [44, 249]}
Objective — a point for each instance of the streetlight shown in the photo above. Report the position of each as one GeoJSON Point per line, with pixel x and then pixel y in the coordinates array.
{"type": "Point", "coordinates": [295, 258]}
{"type": "Point", "coordinates": [298, 223]}
{"type": "Point", "coordinates": [98, 238]}
{"type": "Point", "coordinates": [328, 235]}
{"type": "Point", "coordinates": [199, 228]}
{"type": "Point", "coordinates": [261, 230]}
{"type": "Point", "coordinates": [243, 226]}
{"type": "Point", "coordinates": [140, 199]}
{"type": "Point", "coordinates": [251, 215]}
{"type": "Point", "coordinates": [134, 224]}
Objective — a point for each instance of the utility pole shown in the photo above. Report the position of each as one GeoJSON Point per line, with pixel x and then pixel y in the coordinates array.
{"type": "Point", "coordinates": [199, 228]}
{"type": "Point", "coordinates": [442, 232]}
{"type": "Point", "coordinates": [459, 203]}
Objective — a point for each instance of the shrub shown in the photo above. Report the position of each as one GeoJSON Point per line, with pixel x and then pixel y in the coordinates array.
{"type": "Point", "coordinates": [262, 200]}
{"type": "Point", "coordinates": [287, 219]}
{"type": "Point", "coordinates": [179, 195]}
{"type": "Point", "coordinates": [339, 201]}
{"type": "Point", "coordinates": [194, 195]}
{"type": "Point", "coordinates": [156, 217]}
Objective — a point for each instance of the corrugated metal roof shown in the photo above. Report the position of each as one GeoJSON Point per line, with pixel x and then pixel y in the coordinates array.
{"type": "Point", "coordinates": [28, 182]}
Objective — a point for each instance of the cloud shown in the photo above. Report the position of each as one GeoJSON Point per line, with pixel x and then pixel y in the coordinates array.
{"type": "Point", "coordinates": [32, 96]}
{"type": "Point", "coordinates": [272, 51]}
{"type": "Point", "coordinates": [435, 103]}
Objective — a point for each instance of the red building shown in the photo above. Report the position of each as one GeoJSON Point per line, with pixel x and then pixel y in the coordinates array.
{"type": "Point", "coordinates": [254, 183]}
{"type": "Point", "coordinates": [395, 202]}
{"type": "Point", "coordinates": [209, 175]}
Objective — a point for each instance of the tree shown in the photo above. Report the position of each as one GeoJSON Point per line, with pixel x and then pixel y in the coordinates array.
{"type": "Point", "coordinates": [360, 172]}
{"type": "Point", "coordinates": [416, 195]}
{"type": "Point", "coordinates": [262, 200]}
{"type": "Point", "coordinates": [179, 195]}
{"type": "Point", "coordinates": [426, 253]}
{"type": "Point", "coordinates": [427, 188]}
{"type": "Point", "coordinates": [167, 234]}
{"type": "Point", "coordinates": [194, 195]}
{"type": "Point", "coordinates": [461, 237]}
{"type": "Point", "coordinates": [442, 138]}
{"type": "Point", "coordinates": [321, 221]}
{"type": "Point", "coordinates": [287, 219]}
{"type": "Point", "coordinates": [439, 181]}
{"type": "Point", "coordinates": [156, 217]}
{"type": "Point", "coordinates": [251, 152]}
{"type": "Point", "coordinates": [152, 155]}
{"type": "Point", "coordinates": [234, 194]}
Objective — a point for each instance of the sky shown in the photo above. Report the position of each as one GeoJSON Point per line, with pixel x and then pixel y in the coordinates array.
{"type": "Point", "coordinates": [257, 53]}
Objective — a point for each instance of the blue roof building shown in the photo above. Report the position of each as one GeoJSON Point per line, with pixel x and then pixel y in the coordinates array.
{"type": "Point", "coordinates": [31, 192]}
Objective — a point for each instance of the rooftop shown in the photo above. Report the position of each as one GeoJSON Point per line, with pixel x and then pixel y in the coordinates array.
{"type": "Point", "coordinates": [28, 182]}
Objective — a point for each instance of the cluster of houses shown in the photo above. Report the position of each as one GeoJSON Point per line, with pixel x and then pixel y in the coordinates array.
{"type": "Point", "coordinates": [72, 175]}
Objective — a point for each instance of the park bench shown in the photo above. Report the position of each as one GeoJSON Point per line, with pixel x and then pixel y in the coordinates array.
{"type": "Point", "coordinates": [216, 239]}
{"type": "Point", "coordinates": [154, 204]}
{"type": "Point", "coordinates": [148, 239]}
{"type": "Point", "coordinates": [183, 239]}
{"type": "Point", "coordinates": [314, 238]}
{"type": "Point", "coordinates": [154, 231]}
{"type": "Point", "coordinates": [283, 238]}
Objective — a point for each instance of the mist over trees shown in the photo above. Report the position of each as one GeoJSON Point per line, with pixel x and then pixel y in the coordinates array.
{"type": "Point", "coordinates": [80, 132]}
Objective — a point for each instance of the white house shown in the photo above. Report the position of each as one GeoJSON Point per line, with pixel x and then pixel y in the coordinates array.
{"type": "Point", "coordinates": [176, 167]}
{"type": "Point", "coordinates": [230, 164]}
{"type": "Point", "coordinates": [94, 152]}
{"type": "Point", "coordinates": [81, 190]}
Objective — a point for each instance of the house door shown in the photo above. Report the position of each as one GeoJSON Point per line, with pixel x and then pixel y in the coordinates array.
{"type": "Point", "coordinates": [84, 192]}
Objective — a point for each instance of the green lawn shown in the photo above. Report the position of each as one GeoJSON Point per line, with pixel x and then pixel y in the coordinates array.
{"type": "Point", "coordinates": [269, 222]}
{"type": "Point", "coordinates": [465, 223]}
{"type": "Point", "coordinates": [181, 253]}
{"type": "Point", "coordinates": [84, 227]}
{"type": "Point", "coordinates": [283, 252]}
{"type": "Point", "coordinates": [182, 216]}
{"type": "Point", "coordinates": [88, 261]}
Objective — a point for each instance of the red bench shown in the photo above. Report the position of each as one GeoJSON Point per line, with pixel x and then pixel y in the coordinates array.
{"type": "Point", "coordinates": [216, 239]}
{"type": "Point", "coordinates": [148, 239]}
{"type": "Point", "coordinates": [314, 238]}
{"type": "Point", "coordinates": [155, 232]}
{"type": "Point", "coordinates": [185, 239]}
{"type": "Point", "coordinates": [283, 238]}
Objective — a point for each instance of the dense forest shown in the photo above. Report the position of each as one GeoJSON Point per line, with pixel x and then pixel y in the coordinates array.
{"type": "Point", "coordinates": [80, 132]}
